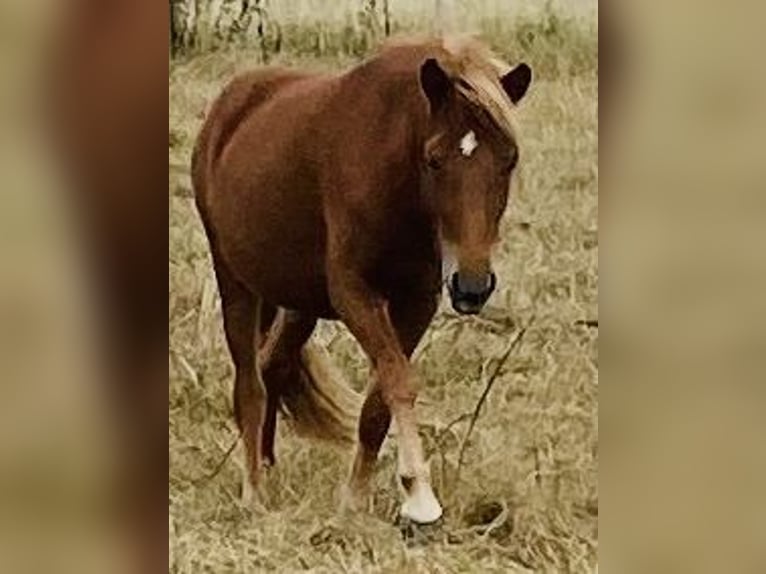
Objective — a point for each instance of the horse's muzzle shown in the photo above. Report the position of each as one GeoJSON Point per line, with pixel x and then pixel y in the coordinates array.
{"type": "Point", "coordinates": [469, 294]}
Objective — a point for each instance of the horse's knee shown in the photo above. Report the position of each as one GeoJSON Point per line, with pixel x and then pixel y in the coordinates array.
{"type": "Point", "coordinates": [397, 385]}
{"type": "Point", "coordinates": [374, 421]}
{"type": "Point", "coordinates": [399, 397]}
{"type": "Point", "coordinates": [252, 387]}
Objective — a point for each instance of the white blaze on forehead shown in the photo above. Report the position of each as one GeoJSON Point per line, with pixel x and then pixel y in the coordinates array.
{"type": "Point", "coordinates": [468, 144]}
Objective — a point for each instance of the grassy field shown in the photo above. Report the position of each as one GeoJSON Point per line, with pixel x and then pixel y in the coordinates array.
{"type": "Point", "coordinates": [526, 498]}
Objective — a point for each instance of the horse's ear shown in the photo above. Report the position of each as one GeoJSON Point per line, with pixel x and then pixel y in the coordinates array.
{"type": "Point", "coordinates": [435, 82]}
{"type": "Point", "coordinates": [516, 82]}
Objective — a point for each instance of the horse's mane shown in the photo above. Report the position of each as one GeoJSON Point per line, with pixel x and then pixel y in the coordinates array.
{"type": "Point", "coordinates": [476, 71]}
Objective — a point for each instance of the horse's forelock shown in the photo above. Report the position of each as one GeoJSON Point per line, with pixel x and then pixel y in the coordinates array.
{"type": "Point", "coordinates": [480, 71]}
{"type": "Point", "coordinates": [467, 59]}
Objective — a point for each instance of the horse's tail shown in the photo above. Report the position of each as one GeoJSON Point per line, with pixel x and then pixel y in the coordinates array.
{"type": "Point", "coordinates": [319, 403]}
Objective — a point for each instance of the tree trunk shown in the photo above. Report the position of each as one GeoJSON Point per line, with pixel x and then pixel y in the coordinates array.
{"type": "Point", "coordinates": [386, 19]}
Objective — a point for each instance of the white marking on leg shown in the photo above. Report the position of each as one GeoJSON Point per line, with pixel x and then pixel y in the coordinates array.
{"type": "Point", "coordinates": [420, 504]}
{"type": "Point", "coordinates": [468, 144]}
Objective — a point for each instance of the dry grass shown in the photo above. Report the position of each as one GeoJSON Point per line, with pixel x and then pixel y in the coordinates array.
{"type": "Point", "coordinates": [526, 498]}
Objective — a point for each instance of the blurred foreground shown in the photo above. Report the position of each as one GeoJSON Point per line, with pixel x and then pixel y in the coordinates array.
{"type": "Point", "coordinates": [682, 463]}
{"type": "Point", "coordinates": [83, 374]}
{"type": "Point", "coordinates": [524, 498]}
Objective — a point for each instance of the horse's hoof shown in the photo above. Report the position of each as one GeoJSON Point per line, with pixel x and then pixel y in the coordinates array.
{"type": "Point", "coordinates": [415, 534]}
{"type": "Point", "coordinates": [421, 506]}
{"type": "Point", "coordinates": [249, 488]}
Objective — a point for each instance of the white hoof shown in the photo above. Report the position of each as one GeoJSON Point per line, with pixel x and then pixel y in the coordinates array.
{"type": "Point", "coordinates": [421, 505]}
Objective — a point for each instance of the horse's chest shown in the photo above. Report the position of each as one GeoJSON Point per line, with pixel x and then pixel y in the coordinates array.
{"type": "Point", "coordinates": [408, 262]}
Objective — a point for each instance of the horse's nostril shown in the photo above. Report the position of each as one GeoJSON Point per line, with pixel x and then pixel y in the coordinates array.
{"type": "Point", "coordinates": [466, 285]}
{"type": "Point", "coordinates": [469, 293]}
{"type": "Point", "coordinates": [492, 282]}
{"type": "Point", "coordinates": [454, 284]}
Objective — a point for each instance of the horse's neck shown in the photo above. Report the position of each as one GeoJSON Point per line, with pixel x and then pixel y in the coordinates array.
{"type": "Point", "coordinates": [391, 78]}
{"type": "Point", "coordinates": [402, 114]}
{"type": "Point", "coordinates": [388, 87]}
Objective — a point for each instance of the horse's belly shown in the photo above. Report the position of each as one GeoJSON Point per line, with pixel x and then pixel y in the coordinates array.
{"type": "Point", "coordinates": [285, 276]}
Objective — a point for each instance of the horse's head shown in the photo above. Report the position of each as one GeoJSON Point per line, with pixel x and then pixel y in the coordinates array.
{"type": "Point", "coordinates": [469, 155]}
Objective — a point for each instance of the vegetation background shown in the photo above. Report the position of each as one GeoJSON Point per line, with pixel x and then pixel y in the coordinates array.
{"type": "Point", "coordinates": [525, 498]}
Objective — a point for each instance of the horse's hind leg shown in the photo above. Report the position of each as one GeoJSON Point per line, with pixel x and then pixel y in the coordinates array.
{"type": "Point", "coordinates": [241, 310]}
{"type": "Point", "coordinates": [268, 317]}
{"type": "Point", "coordinates": [280, 360]}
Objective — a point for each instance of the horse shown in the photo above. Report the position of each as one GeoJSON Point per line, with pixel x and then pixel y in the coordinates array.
{"type": "Point", "coordinates": [351, 196]}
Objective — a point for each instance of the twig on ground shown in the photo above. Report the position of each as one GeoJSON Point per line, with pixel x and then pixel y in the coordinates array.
{"type": "Point", "coordinates": [203, 480]}
{"type": "Point", "coordinates": [485, 393]}
{"type": "Point", "coordinates": [451, 424]}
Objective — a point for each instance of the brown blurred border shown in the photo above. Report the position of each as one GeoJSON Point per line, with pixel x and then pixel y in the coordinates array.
{"type": "Point", "coordinates": [109, 111]}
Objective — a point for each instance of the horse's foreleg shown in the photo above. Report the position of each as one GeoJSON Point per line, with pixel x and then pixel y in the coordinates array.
{"type": "Point", "coordinates": [374, 422]}
{"type": "Point", "coordinates": [393, 394]}
{"type": "Point", "coordinates": [411, 318]}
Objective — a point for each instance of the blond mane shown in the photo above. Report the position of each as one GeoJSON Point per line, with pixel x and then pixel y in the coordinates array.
{"type": "Point", "coordinates": [466, 58]}
{"type": "Point", "coordinates": [480, 70]}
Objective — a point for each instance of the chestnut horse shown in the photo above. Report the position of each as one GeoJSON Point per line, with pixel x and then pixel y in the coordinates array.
{"type": "Point", "coordinates": [344, 197]}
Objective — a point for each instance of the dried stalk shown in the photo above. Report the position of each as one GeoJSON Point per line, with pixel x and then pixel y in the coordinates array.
{"type": "Point", "coordinates": [485, 393]}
